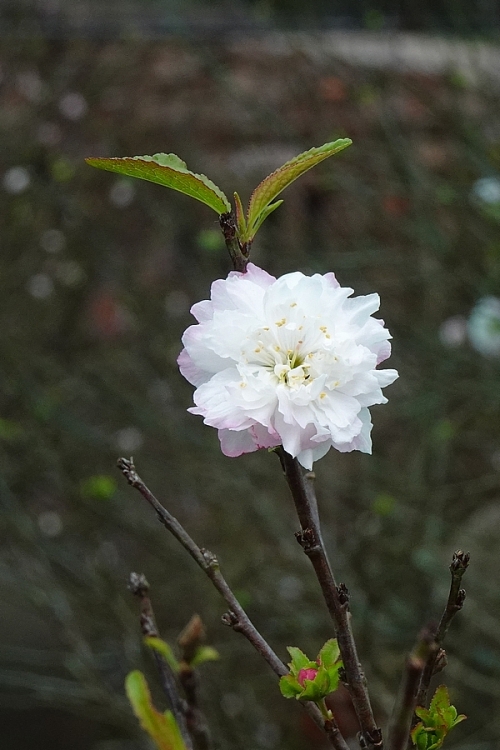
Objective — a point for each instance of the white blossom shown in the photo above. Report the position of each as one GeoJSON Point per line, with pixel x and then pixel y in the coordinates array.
{"type": "Point", "coordinates": [289, 361]}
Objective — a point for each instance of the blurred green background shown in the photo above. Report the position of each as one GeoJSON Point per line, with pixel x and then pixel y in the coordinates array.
{"type": "Point", "coordinates": [98, 274]}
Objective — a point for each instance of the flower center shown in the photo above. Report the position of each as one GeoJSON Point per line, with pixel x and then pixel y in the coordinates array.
{"type": "Point", "coordinates": [280, 354]}
{"type": "Point", "coordinates": [293, 371]}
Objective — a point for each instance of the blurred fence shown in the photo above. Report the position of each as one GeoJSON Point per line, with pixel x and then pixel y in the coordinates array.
{"type": "Point", "coordinates": [155, 18]}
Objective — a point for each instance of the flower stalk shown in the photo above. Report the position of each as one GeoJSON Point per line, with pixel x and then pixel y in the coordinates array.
{"type": "Point", "coordinates": [336, 597]}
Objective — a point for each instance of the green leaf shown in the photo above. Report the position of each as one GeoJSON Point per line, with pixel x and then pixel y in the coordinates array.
{"type": "Point", "coordinates": [299, 660]}
{"type": "Point", "coordinates": [168, 170]}
{"type": "Point", "coordinates": [261, 205]}
{"type": "Point", "coordinates": [440, 699]}
{"type": "Point", "coordinates": [329, 656]}
{"type": "Point", "coordinates": [162, 728]}
{"type": "Point", "coordinates": [436, 721]}
{"type": "Point", "coordinates": [263, 216]}
{"type": "Point", "coordinates": [241, 222]}
{"type": "Point", "coordinates": [203, 654]}
{"type": "Point", "coordinates": [163, 649]}
{"type": "Point", "coordinates": [289, 686]}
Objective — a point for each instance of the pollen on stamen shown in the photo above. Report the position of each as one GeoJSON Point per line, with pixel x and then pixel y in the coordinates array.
{"type": "Point", "coordinates": [293, 304]}
{"type": "Point", "coordinates": [243, 384]}
{"type": "Point", "coordinates": [322, 394]}
{"type": "Point", "coordinates": [277, 348]}
{"type": "Point", "coordinates": [257, 350]}
{"type": "Point", "coordinates": [280, 323]}
{"type": "Point", "coordinates": [324, 329]}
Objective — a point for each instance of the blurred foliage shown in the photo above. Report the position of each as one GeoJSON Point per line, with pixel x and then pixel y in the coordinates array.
{"type": "Point", "coordinates": [98, 274]}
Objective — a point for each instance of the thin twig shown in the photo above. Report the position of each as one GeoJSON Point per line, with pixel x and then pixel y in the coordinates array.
{"type": "Point", "coordinates": [236, 617]}
{"type": "Point", "coordinates": [401, 720]}
{"type": "Point", "coordinates": [336, 597]}
{"type": "Point", "coordinates": [139, 586]}
{"type": "Point", "coordinates": [456, 598]}
{"type": "Point", "coordinates": [189, 641]}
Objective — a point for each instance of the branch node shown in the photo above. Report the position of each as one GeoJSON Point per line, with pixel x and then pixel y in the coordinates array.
{"type": "Point", "coordinates": [138, 585]}
{"type": "Point", "coordinates": [210, 559]}
{"type": "Point", "coordinates": [460, 598]}
{"type": "Point", "coordinates": [238, 253]}
{"type": "Point", "coordinates": [127, 468]}
{"type": "Point", "coordinates": [308, 540]}
{"type": "Point", "coordinates": [230, 619]}
{"type": "Point", "coordinates": [441, 661]}
{"type": "Point", "coordinates": [343, 594]}
{"type": "Point", "coordinates": [374, 739]}
{"type": "Point", "coordinates": [460, 561]}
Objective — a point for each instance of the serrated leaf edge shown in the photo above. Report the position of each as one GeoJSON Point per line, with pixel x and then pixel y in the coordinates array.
{"type": "Point", "coordinates": [295, 161]}
{"type": "Point", "coordinates": [101, 162]}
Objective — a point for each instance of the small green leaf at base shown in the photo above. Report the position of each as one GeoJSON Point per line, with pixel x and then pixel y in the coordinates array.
{"type": "Point", "coordinates": [162, 728]}
{"type": "Point", "coordinates": [436, 721]}
{"type": "Point", "coordinates": [203, 654]}
{"type": "Point", "coordinates": [289, 686]}
{"type": "Point", "coordinates": [299, 660]}
{"type": "Point", "coordinates": [164, 650]}
{"type": "Point", "coordinates": [329, 655]}
{"type": "Point", "coordinates": [168, 170]}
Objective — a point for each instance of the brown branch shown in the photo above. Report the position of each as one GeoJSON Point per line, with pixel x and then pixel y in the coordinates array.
{"type": "Point", "coordinates": [236, 617]}
{"type": "Point", "coordinates": [336, 597]}
{"type": "Point", "coordinates": [456, 598]}
{"type": "Point", "coordinates": [239, 254]}
{"type": "Point", "coordinates": [401, 720]}
{"type": "Point", "coordinates": [139, 586]}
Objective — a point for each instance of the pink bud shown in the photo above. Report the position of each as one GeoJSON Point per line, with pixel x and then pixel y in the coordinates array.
{"type": "Point", "coordinates": [306, 674]}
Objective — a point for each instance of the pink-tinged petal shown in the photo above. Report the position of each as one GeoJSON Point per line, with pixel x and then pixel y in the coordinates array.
{"type": "Point", "coordinates": [256, 275]}
{"type": "Point", "coordinates": [197, 341]}
{"type": "Point", "coordinates": [384, 352]}
{"type": "Point", "coordinates": [215, 405]}
{"type": "Point", "coordinates": [264, 437]}
{"type": "Point", "coordinates": [203, 311]}
{"type": "Point", "coordinates": [331, 280]}
{"type": "Point", "coordinates": [191, 372]}
{"type": "Point", "coordinates": [235, 444]}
